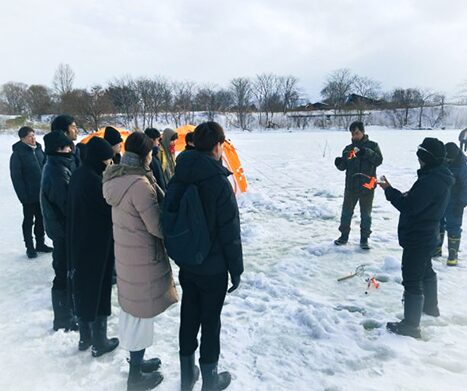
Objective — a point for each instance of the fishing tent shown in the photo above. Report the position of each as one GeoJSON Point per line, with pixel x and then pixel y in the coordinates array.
{"type": "Point", "coordinates": [230, 157]}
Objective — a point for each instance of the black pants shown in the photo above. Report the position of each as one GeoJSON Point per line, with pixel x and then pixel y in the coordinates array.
{"type": "Point", "coordinates": [60, 264]}
{"type": "Point", "coordinates": [32, 216]}
{"type": "Point", "coordinates": [202, 301]}
{"type": "Point", "coordinates": [366, 204]}
{"type": "Point", "coordinates": [416, 267]}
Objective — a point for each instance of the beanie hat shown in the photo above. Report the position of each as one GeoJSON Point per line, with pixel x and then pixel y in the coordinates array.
{"type": "Point", "coordinates": [152, 133]}
{"type": "Point", "coordinates": [62, 122]}
{"type": "Point", "coordinates": [431, 152]}
{"type": "Point", "coordinates": [112, 135]}
{"type": "Point", "coordinates": [56, 140]}
{"type": "Point", "coordinates": [98, 150]}
{"type": "Point", "coordinates": [452, 151]}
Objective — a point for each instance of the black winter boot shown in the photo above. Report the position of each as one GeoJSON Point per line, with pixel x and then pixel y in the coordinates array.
{"type": "Point", "coordinates": [438, 251]}
{"type": "Point", "coordinates": [151, 365]}
{"type": "Point", "coordinates": [138, 380]}
{"type": "Point", "coordinates": [85, 337]}
{"type": "Point", "coordinates": [213, 381]}
{"type": "Point", "coordinates": [430, 292]}
{"type": "Point", "coordinates": [63, 316]}
{"type": "Point", "coordinates": [189, 372]}
{"type": "Point", "coordinates": [41, 247]}
{"type": "Point", "coordinates": [343, 239]}
{"type": "Point", "coordinates": [453, 247]}
{"type": "Point", "coordinates": [100, 343]}
{"type": "Point", "coordinates": [410, 325]}
{"type": "Point", "coordinates": [364, 243]}
{"type": "Point", "coordinates": [31, 253]}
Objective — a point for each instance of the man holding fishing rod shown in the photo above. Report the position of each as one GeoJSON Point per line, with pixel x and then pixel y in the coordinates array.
{"type": "Point", "coordinates": [359, 161]}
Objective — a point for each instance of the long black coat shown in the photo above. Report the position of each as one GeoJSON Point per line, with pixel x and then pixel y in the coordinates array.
{"type": "Point", "coordinates": [220, 209]}
{"type": "Point", "coordinates": [359, 168]}
{"type": "Point", "coordinates": [156, 167]}
{"type": "Point", "coordinates": [422, 207]}
{"type": "Point", "coordinates": [90, 243]}
{"type": "Point", "coordinates": [26, 165]}
{"type": "Point", "coordinates": [54, 193]}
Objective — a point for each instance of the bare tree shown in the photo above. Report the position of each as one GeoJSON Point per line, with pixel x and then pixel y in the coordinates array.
{"type": "Point", "coordinates": [182, 109]}
{"type": "Point", "coordinates": [39, 99]}
{"type": "Point", "coordinates": [14, 98]}
{"type": "Point", "coordinates": [124, 97]}
{"type": "Point", "coordinates": [266, 89]}
{"type": "Point", "coordinates": [337, 87]}
{"type": "Point", "coordinates": [405, 99]}
{"type": "Point", "coordinates": [63, 79]}
{"type": "Point", "coordinates": [95, 107]}
{"type": "Point", "coordinates": [242, 96]}
{"type": "Point", "coordinates": [290, 93]}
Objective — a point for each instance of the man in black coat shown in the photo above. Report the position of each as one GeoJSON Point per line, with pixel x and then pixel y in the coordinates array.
{"type": "Point", "coordinates": [359, 161]}
{"type": "Point", "coordinates": [156, 165]}
{"type": "Point", "coordinates": [66, 123]}
{"type": "Point", "coordinates": [204, 286]}
{"type": "Point", "coordinates": [113, 137]}
{"type": "Point", "coordinates": [54, 193]}
{"type": "Point", "coordinates": [26, 165]}
{"type": "Point", "coordinates": [421, 210]}
{"type": "Point", "coordinates": [91, 252]}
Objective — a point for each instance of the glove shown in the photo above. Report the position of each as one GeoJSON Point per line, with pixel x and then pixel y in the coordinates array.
{"type": "Point", "coordinates": [235, 283]}
{"type": "Point", "coordinates": [338, 161]}
{"type": "Point", "coordinates": [361, 152]}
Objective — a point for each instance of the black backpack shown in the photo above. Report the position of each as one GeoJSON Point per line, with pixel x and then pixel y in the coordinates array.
{"type": "Point", "coordinates": [186, 233]}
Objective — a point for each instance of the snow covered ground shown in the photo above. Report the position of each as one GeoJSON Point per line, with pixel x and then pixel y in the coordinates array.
{"type": "Point", "coordinates": [290, 325]}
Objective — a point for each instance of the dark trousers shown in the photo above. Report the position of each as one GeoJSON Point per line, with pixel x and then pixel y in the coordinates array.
{"type": "Point", "coordinates": [60, 264]}
{"type": "Point", "coordinates": [202, 301]}
{"type": "Point", "coordinates": [365, 200]}
{"type": "Point", "coordinates": [416, 268]}
{"type": "Point", "coordinates": [32, 216]}
{"type": "Point", "coordinates": [452, 220]}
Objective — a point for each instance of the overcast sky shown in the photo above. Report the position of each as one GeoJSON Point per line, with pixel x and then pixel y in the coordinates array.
{"type": "Point", "coordinates": [401, 43]}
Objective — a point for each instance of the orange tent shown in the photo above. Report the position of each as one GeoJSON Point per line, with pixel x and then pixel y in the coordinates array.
{"type": "Point", "coordinates": [100, 133]}
{"type": "Point", "coordinates": [230, 157]}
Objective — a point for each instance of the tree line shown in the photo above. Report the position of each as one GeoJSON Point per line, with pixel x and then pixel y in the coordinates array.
{"type": "Point", "coordinates": [142, 102]}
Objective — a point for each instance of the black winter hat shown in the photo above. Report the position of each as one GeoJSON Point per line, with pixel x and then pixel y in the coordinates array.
{"type": "Point", "coordinates": [431, 152]}
{"type": "Point", "coordinates": [98, 150]}
{"type": "Point", "coordinates": [152, 133]}
{"type": "Point", "coordinates": [112, 135]}
{"type": "Point", "coordinates": [56, 140]}
{"type": "Point", "coordinates": [452, 151]}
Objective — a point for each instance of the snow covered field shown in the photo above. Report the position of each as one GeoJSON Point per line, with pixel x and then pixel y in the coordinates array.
{"type": "Point", "coordinates": [290, 325]}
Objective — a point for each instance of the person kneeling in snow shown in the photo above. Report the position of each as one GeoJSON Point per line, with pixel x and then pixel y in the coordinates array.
{"type": "Point", "coordinates": [421, 210]}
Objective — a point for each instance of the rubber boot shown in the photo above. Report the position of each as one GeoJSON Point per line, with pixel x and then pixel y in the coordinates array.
{"type": "Point", "coordinates": [343, 239]}
{"type": "Point", "coordinates": [438, 251]}
{"type": "Point", "coordinates": [430, 292]}
{"type": "Point", "coordinates": [100, 343]}
{"type": "Point", "coordinates": [213, 381]}
{"type": "Point", "coordinates": [137, 380]}
{"type": "Point", "coordinates": [189, 372]}
{"type": "Point", "coordinates": [151, 365]}
{"type": "Point", "coordinates": [453, 247]}
{"type": "Point", "coordinates": [364, 243]}
{"type": "Point", "coordinates": [410, 325]}
{"type": "Point", "coordinates": [63, 316]}
{"type": "Point", "coordinates": [85, 337]}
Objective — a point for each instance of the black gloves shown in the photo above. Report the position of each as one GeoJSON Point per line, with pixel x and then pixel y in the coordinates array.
{"type": "Point", "coordinates": [235, 283]}
{"type": "Point", "coordinates": [361, 152]}
{"type": "Point", "coordinates": [338, 161]}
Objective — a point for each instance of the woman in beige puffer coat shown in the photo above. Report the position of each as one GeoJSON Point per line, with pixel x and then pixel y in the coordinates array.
{"type": "Point", "coordinates": [144, 277]}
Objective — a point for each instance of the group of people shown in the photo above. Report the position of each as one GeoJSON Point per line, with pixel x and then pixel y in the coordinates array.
{"type": "Point", "coordinates": [101, 205]}
{"type": "Point", "coordinates": [435, 204]}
